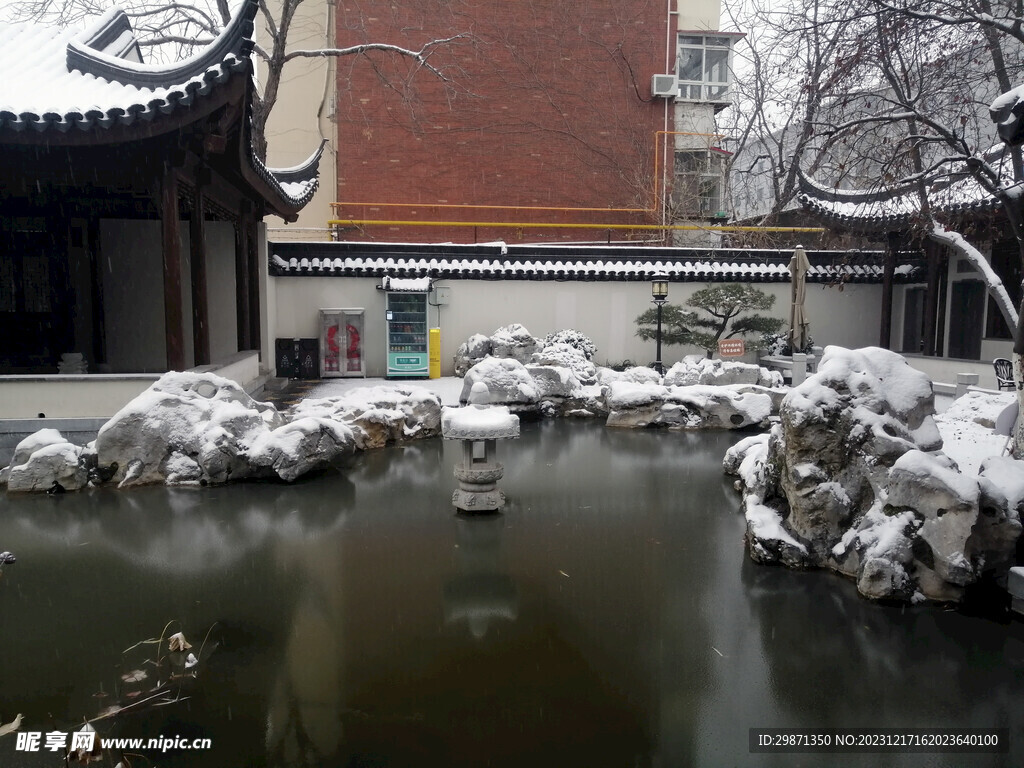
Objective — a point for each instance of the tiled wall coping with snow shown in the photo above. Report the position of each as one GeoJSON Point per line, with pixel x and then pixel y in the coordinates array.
{"type": "Point", "coordinates": [508, 262]}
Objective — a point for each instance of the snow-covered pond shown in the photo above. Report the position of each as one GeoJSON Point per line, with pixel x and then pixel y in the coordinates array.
{"type": "Point", "coordinates": [610, 617]}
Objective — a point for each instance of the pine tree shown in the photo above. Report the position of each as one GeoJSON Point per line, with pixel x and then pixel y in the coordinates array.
{"type": "Point", "coordinates": [725, 315]}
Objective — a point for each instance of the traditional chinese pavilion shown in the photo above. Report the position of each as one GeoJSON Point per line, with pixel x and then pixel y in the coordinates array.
{"type": "Point", "coordinates": [131, 201]}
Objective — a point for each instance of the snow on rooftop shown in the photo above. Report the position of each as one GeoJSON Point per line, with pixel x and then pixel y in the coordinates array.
{"type": "Point", "coordinates": [40, 87]}
{"type": "Point", "coordinates": [411, 284]}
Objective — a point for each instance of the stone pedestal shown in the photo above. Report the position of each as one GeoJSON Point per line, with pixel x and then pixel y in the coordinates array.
{"type": "Point", "coordinates": [479, 426]}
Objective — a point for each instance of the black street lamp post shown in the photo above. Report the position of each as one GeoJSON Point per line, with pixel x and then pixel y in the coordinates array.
{"type": "Point", "coordinates": [659, 290]}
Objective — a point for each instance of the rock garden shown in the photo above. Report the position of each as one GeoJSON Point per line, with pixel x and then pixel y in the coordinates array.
{"type": "Point", "coordinates": [845, 471]}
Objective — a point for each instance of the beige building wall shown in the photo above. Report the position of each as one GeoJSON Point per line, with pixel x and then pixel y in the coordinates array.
{"type": "Point", "coordinates": [304, 114]}
{"type": "Point", "coordinates": [699, 14]}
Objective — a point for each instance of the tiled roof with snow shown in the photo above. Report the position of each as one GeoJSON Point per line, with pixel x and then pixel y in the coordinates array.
{"type": "Point", "coordinates": [296, 184]}
{"type": "Point", "coordinates": [893, 208]}
{"type": "Point", "coordinates": [75, 85]}
{"type": "Point", "coordinates": [587, 263]}
{"type": "Point", "coordinates": [59, 81]}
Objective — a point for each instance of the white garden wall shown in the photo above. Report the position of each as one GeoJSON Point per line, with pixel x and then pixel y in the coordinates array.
{"type": "Point", "coordinates": [603, 310]}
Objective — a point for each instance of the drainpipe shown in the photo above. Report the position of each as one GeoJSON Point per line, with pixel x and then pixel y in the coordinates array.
{"type": "Point", "coordinates": [669, 61]}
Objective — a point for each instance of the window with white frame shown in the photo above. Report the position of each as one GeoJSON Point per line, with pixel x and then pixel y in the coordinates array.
{"type": "Point", "coordinates": [704, 67]}
{"type": "Point", "coordinates": [698, 184]}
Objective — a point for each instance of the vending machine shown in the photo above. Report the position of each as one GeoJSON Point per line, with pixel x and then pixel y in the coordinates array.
{"type": "Point", "coordinates": [341, 343]}
{"type": "Point", "coordinates": [406, 318]}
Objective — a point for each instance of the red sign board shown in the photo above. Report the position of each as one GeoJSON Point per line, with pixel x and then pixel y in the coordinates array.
{"type": "Point", "coordinates": [731, 348]}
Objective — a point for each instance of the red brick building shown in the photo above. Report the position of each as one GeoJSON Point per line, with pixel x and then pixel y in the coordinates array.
{"type": "Point", "coordinates": [546, 107]}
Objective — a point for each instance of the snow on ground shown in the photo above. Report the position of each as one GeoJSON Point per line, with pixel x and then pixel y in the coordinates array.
{"type": "Point", "coordinates": [448, 388]}
{"type": "Point", "coordinates": [967, 425]}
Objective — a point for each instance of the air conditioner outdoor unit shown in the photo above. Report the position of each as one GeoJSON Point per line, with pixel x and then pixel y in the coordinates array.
{"type": "Point", "coordinates": [664, 86]}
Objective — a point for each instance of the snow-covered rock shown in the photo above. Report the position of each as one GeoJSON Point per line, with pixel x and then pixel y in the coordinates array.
{"type": "Point", "coordinates": [191, 428]}
{"type": "Point", "coordinates": [852, 473]}
{"type": "Point", "coordinates": [515, 342]}
{"type": "Point", "coordinates": [46, 460]}
{"type": "Point", "coordinates": [694, 369]}
{"type": "Point", "coordinates": [696, 407]}
{"type": "Point", "coordinates": [205, 418]}
{"type": "Point", "coordinates": [568, 356]}
{"type": "Point", "coordinates": [573, 338]}
{"type": "Point", "coordinates": [1001, 484]}
{"type": "Point", "coordinates": [945, 504]}
{"type": "Point", "coordinates": [637, 375]}
{"type": "Point", "coordinates": [554, 381]}
{"type": "Point", "coordinates": [303, 445]}
{"type": "Point", "coordinates": [382, 414]}
{"type": "Point", "coordinates": [471, 352]}
{"type": "Point", "coordinates": [507, 380]}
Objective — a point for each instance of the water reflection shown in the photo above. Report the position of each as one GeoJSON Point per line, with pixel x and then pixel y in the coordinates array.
{"type": "Point", "coordinates": [479, 592]}
{"type": "Point", "coordinates": [185, 530]}
{"type": "Point", "coordinates": [609, 617]}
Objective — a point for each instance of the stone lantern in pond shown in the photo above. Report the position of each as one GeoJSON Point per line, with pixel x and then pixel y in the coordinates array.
{"type": "Point", "coordinates": [479, 426]}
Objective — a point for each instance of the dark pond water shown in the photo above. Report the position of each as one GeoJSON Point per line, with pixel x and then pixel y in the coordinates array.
{"type": "Point", "coordinates": [609, 618]}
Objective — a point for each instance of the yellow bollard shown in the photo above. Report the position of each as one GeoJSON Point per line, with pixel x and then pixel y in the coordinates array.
{"type": "Point", "coordinates": [435, 353]}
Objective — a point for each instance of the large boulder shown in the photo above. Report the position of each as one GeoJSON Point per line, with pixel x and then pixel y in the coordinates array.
{"type": "Point", "coordinates": [46, 461]}
{"type": "Point", "coordinates": [554, 381]}
{"type": "Point", "coordinates": [301, 446]}
{"type": "Point", "coordinates": [637, 375]}
{"type": "Point", "coordinates": [471, 352]}
{"type": "Point", "coordinates": [181, 420]}
{"type": "Point", "coordinates": [507, 380]}
{"type": "Point", "coordinates": [852, 474]}
{"type": "Point", "coordinates": [567, 356]}
{"type": "Point", "coordinates": [514, 342]}
{"type": "Point", "coordinates": [382, 415]}
{"type": "Point", "coordinates": [694, 369]}
{"type": "Point", "coordinates": [579, 341]}
{"type": "Point", "coordinates": [653, 405]}
{"type": "Point", "coordinates": [199, 428]}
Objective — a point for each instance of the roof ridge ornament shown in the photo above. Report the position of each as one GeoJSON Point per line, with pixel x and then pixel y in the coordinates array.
{"type": "Point", "coordinates": [87, 53]}
{"type": "Point", "coordinates": [112, 34]}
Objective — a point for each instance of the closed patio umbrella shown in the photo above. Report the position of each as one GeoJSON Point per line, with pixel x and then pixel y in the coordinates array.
{"type": "Point", "coordinates": [798, 268]}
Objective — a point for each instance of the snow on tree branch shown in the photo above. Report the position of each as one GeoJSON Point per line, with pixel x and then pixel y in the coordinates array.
{"type": "Point", "coordinates": [420, 56]}
{"type": "Point", "coordinates": [956, 242]}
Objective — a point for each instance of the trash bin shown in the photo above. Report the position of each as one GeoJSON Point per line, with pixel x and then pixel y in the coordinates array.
{"type": "Point", "coordinates": [435, 353]}
{"type": "Point", "coordinates": [297, 358]}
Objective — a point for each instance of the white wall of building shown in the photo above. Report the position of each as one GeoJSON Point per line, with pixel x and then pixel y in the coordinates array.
{"type": "Point", "coordinates": [304, 114]}
{"type": "Point", "coordinates": [604, 311]}
{"type": "Point", "coordinates": [132, 280]}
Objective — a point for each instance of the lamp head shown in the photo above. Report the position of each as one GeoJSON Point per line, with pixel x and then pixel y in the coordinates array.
{"type": "Point", "coordinates": [659, 287]}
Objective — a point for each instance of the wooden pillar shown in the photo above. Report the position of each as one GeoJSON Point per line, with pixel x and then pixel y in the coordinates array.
{"type": "Point", "coordinates": [254, 284]}
{"type": "Point", "coordinates": [200, 303]}
{"type": "Point", "coordinates": [888, 270]}
{"type": "Point", "coordinates": [242, 291]}
{"type": "Point", "coordinates": [931, 298]}
{"type": "Point", "coordinates": [99, 328]}
{"type": "Point", "coordinates": [173, 313]}
{"type": "Point", "coordinates": [940, 319]}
